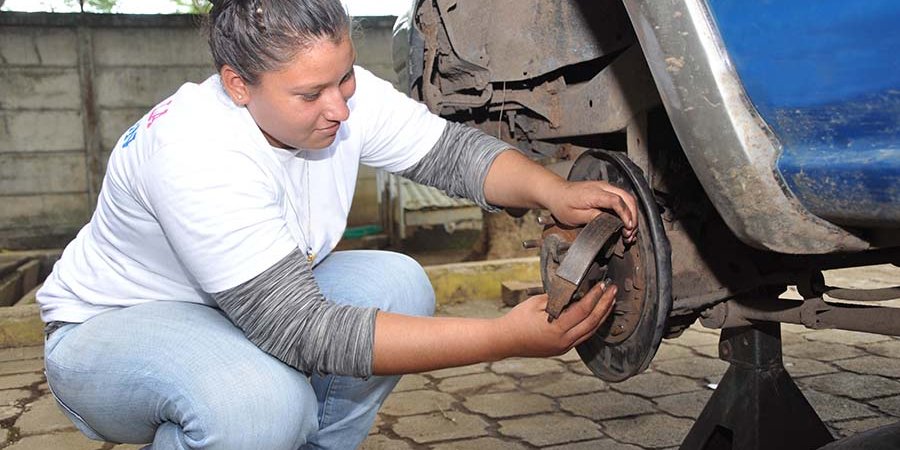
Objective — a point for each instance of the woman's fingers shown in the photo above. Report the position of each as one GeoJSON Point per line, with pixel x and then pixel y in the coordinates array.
{"type": "Point", "coordinates": [610, 200]}
{"type": "Point", "coordinates": [598, 315]}
{"type": "Point", "coordinates": [625, 206]}
{"type": "Point", "coordinates": [629, 201]}
{"type": "Point", "coordinates": [585, 309]}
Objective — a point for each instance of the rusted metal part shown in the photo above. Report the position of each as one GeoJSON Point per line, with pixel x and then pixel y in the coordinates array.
{"type": "Point", "coordinates": [572, 69]}
{"type": "Point", "coordinates": [564, 33]}
{"type": "Point", "coordinates": [636, 132]}
{"type": "Point", "coordinates": [555, 241]}
{"type": "Point", "coordinates": [606, 103]}
{"type": "Point", "coordinates": [593, 238]}
{"type": "Point", "coordinates": [531, 243]}
{"type": "Point", "coordinates": [813, 313]}
{"type": "Point", "coordinates": [428, 23]}
{"type": "Point", "coordinates": [546, 220]}
{"type": "Point", "coordinates": [570, 261]}
{"type": "Point", "coordinates": [627, 341]}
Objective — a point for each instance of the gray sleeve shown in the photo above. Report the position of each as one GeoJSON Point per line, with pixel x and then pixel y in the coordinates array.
{"type": "Point", "coordinates": [283, 313]}
{"type": "Point", "coordinates": [458, 163]}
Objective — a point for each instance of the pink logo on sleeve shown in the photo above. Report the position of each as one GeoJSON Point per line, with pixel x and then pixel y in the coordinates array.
{"type": "Point", "coordinates": [158, 111]}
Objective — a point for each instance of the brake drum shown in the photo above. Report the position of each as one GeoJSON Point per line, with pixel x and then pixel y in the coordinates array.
{"type": "Point", "coordinates": [626, 343]}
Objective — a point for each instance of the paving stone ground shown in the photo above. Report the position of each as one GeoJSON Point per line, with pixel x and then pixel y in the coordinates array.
{"type": "Point", "coordinates": [852, 380]}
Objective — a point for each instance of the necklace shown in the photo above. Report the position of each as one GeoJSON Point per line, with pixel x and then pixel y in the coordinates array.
{"type": "Point", "coordinates": [307, 241]}
{"type": "Point", "coordinates": [310, 255]}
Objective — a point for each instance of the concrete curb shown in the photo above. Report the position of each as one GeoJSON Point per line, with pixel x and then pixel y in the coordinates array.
{"type": "Point", "coordinates": [21, 326]}
{"type": "Point", "coordinates": [455, 283]}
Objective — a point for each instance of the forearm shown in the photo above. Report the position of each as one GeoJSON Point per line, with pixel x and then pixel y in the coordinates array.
{"type": "Point", "coordinates": [458, 163]}
{"type": "Point", "coordinates": [407, 344]}
{"type": "Point", "coordinates": [283, 313]}
{"type": "Point", "coordinates": [516, 181]}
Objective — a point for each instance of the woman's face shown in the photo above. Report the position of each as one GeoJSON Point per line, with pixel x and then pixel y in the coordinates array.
{"type": "Point", "coordinates": [303, 104]}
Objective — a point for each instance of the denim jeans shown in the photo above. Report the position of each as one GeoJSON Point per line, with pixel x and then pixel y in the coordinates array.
{"type": "Point", "coordinates": [182, 376]}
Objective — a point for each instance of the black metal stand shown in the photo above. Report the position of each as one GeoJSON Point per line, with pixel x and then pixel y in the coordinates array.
{"type": "Point", "coordinates": [756, 406]}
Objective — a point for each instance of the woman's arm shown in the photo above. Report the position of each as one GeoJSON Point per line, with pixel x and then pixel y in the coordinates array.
{"type": "Point", "coordinates": [515, 181]}
{"type": "Point", "coordinates": [465, 162]}
{"type": "Point", "coordinates": [283, 312]}
{"type": "Point", "coordinates": [405, 344]}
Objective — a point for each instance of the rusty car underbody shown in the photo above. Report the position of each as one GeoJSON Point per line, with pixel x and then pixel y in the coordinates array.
{"type": "Point", "coordinates": [580, 87]}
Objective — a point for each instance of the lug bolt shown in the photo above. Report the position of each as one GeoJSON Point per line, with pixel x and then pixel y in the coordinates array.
{"type": "Point", "coordinates": [546, 220]}
{"type": "Point", "coordinates": [534, 291]}
{"type": "Point", "coordinates": [532, 243]}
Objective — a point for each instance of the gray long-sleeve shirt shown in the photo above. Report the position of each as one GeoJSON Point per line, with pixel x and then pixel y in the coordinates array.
{"type": "Point", "coordinates": [283, 311]}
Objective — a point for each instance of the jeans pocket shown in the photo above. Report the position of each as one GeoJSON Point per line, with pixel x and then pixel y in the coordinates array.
{"type": "Point", "coordinates": [76, 418]}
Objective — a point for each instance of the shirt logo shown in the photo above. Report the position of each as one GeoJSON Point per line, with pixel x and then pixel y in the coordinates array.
{"type": "Point", "coordinates": [158, 111]}
{"type": "Point", "coordinates": [130, 134]}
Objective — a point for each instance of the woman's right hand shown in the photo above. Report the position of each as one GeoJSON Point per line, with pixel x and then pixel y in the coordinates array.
{"type": "Point", "coordinates": [409, 344]}
{"type": "Point", "coordinates": [529, 333]}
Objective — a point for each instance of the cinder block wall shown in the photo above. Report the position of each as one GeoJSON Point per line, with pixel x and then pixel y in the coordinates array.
{"type": "Point", "coordinates": [70, 84]}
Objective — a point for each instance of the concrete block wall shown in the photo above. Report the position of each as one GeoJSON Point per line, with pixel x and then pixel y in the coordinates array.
{"type": "Point", "coordinates": [70, 84]}
{"type": "Point", "coordinates": [43, 171]}
{"type": "Point", "coordinates": [372, 37]}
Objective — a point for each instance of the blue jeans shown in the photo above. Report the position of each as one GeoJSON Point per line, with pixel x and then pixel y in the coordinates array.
{"type": "Point", "coordinates": [182, 376]}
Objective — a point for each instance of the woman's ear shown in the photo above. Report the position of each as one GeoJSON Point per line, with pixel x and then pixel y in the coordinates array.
{"type": "Point", "coordinates": [234, 85]}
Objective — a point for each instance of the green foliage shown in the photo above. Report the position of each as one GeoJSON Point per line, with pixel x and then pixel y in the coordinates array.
{"type": "Point", "coordinates": [101, 6]}
{"type": "Point", "coordinates": [107, 6]}
{"type": "Point", "coordinates": [193, 6]}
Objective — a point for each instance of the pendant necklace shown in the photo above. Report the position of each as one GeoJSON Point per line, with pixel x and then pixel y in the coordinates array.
{"type": "Point", "coordinates": [310, 255]}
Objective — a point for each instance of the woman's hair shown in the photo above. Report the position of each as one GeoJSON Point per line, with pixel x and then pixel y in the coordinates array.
{"type": "Point", "coordinates": [256, 36]}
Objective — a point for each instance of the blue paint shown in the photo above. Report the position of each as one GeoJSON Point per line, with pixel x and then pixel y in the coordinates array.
{"type": "Point", "coordinates": [825, 76]}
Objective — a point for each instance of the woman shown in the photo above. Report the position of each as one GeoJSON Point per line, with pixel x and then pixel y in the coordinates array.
{"type": "Point", "coordinates": [202, 307]}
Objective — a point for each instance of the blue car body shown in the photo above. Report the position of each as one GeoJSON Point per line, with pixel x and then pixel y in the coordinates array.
{"type": "Point", "coordinates": [825, 76]}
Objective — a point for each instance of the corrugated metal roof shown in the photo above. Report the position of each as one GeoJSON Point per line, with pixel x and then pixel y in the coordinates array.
{"type": "Point", "coordinates": [418, 197]}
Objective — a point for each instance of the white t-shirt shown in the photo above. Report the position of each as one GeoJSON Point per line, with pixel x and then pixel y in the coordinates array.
{"type": "Point", "coordinates": [195, 200]}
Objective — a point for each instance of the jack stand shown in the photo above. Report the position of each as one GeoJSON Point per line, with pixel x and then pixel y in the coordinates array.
{"type": "Point", "coordinates": [756, 406]}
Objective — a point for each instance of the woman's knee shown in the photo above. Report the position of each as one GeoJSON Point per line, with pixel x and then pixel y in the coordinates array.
{"type": "Point", "coordinates": [389, 281]}
{"type": "Point", "coordinates": [278, 414]}
{"type": "Point", "coordinates": [414, 293]}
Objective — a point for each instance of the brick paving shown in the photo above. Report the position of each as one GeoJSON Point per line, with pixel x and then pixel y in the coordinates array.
{"type": "Point", "coordinates": [852, 380]}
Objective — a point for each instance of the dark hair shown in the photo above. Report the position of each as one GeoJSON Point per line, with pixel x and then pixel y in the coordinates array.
{"type": "Point", "coordinates": [256, 36]}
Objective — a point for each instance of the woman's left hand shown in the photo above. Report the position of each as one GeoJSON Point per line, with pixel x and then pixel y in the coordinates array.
{"type": "Point", "coordinates": [578, 202]}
